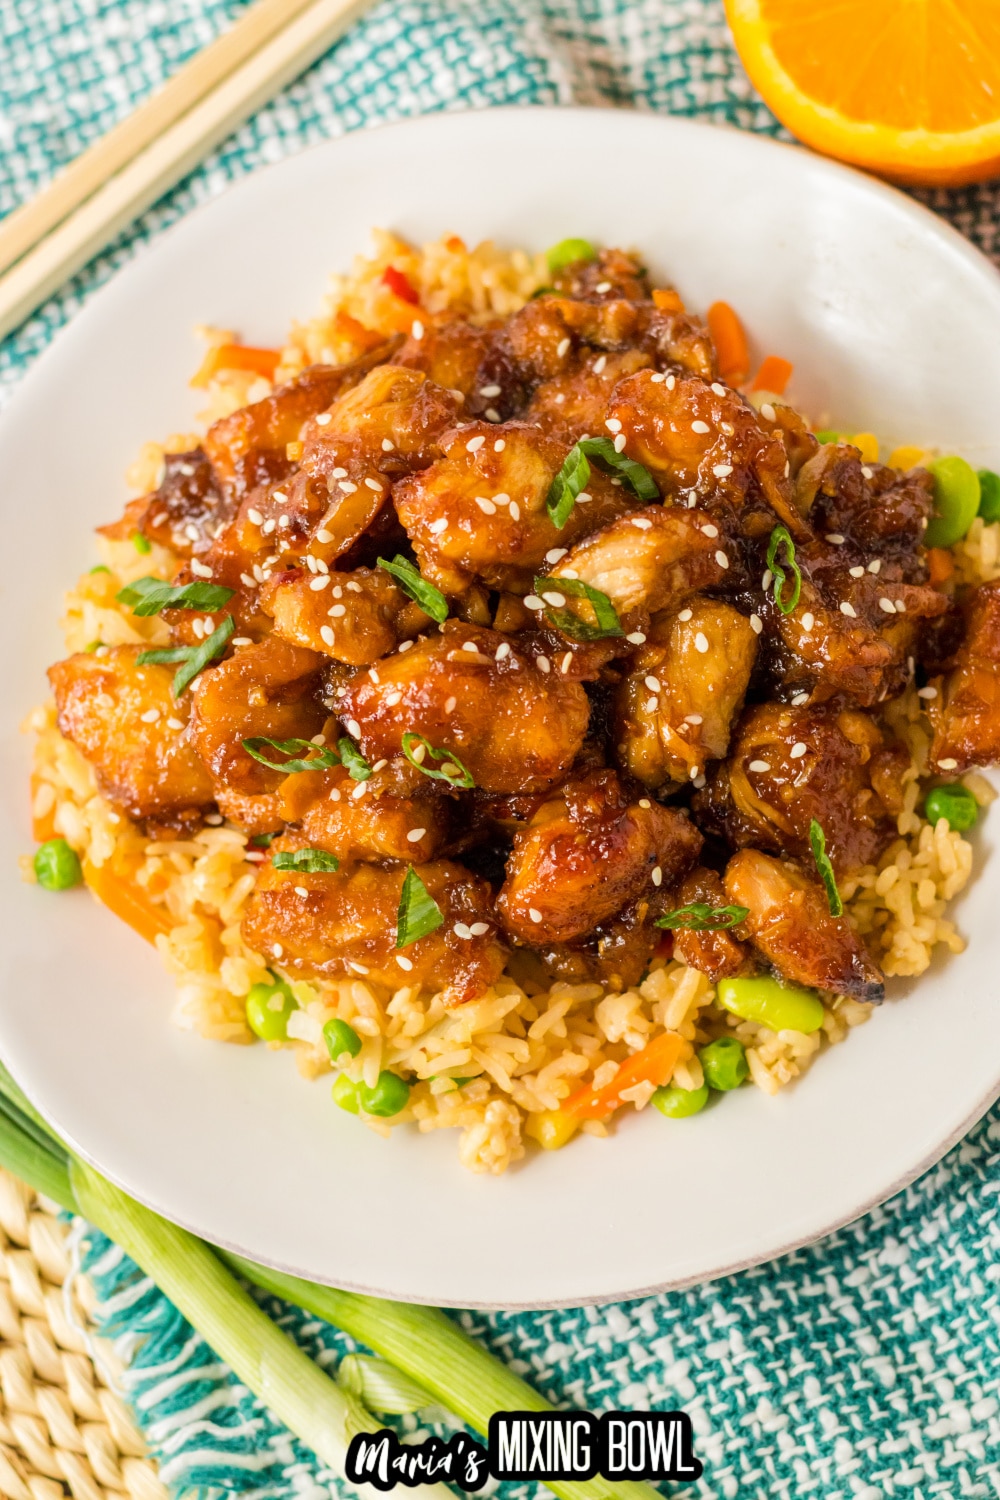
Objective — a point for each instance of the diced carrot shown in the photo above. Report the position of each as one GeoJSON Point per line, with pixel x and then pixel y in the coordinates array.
{"type": "Point", "coordinates": [237, 357]}
{"type": "Point", "coordinates": [939, 564]}
{"type": "Point", "coordinates": [730, 342]}
{"type": "Point", "coordinates": [127, 900]}
{"type": "Point", "coordinates": [773, 375]}
{"type": "Point", "coordinates": [401, 285]}
{"type": "Point", "coordinates": [667, 300]}
{"type": "Point", "coordinates": [654, 1063]}
{"type": "Point", "coordinates": [42, 828]}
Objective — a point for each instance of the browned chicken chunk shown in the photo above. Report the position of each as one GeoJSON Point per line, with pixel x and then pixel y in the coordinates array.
{"type": "Point", "coordinates": [966, 715]}
{"type": "Point", "coordinates": [126, 721]}
{"type": "Point", "coordinates": [353, 821]}
{"type": "Point", "coordinates": [353, 617]}
{"type": "Point", "coordinates": [715, 951]}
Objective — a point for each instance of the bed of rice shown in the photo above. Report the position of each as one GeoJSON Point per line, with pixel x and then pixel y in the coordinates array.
{"type": "Point", "coordinates": [523, 1047]}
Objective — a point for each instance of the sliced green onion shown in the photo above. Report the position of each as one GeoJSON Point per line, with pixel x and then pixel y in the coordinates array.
{"type": "Point", "coordinates": [195, 658]}
{"type": "Point", "coordinates": [575, 472]}
{"type": "Point", "coordinates": [637, 478]}
{"type": "Point", "coordinates": [608, 623]}
{"type": "Point", "coordinates": [430, 599]}
{"type": "Point", "coordinates": [569, 253]}
{"type": "Point", "coordinates": [567, 484]}
{"type": "Point", "coordinates": [817, 842]}
{"type": "Point", "coordinates": [699, 916]}
{"type": "Point", "coordinates": [148, 596]}
{"type": "Point", "coordinates": [312, 861]}
{"type": "Point", "coordinates": [454, 773]}
{"type": "Point", "coordinates": [781, 536]}
{"type": "Point", "coordinates": [322, 759]}
{"type": "Point", "coordinates": [418, 914]}
{"type": "Point", "coordinates": [141, 543]}
{"type": "Point", "coordinates": [263, 840]}
{"type": "Point", "coordinates": [352, 760]}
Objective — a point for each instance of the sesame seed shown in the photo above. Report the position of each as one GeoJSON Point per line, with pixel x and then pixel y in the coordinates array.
{"type": "Point", "coordinates": [418, 752]}
{"type": "Point", "coordinates": [720, 390]}
{"type": "Point", "coordinates": [353, 727]}
{"type": "Point", "coordinates": [584, 496]}
{"type": "Point", "coordinates": [613, 424]}
{"type": "Point", "coordinates": [656, 875]}
{"type": "Point", "coordinates": [534, 914]}
{"type": "Point", "coordinates": [515, 511]}
{"type": "Point", "coordinates": [359, 790]}
{"type": "Point", "coordinates": [700, 427]}
{"type": "Point", "coordinates": [247, 581]}
{"type": "Point", "coordinates": [391, 699]}
{"type": "Point", "coordinates": [693, 719]}
{"type": "Point", "coordinates": [404, 962]}
{"type": "Point", "coordinates": [415, 835]}
{"type": "Point", "coordinates": [948, 765]}
{"type": "Point", "coordinates": [338, 473]}
{"type": "Point", "coordinates": [875, 566]}
{"type": "Point", "coordinates": [759, 765]}
{"type": "Point", "coordinates": [866, 471]}
{"type": "Point", "coordinates": [808, 621]}
{"type": "Point", "coordinates": [637, 637]}
{"type": "Point", "coordinates": [657, 379]}
{"type": "Point", "coordinates": [835, 537]}
{"type": "Point", "coordinates": [324, 419]}
{"type": "Point", "coordinates": [474, 444]}
{"type": "Point", "coordinates": [767, 412]}
{"type": "Point", "coordinates": [175, 723]}
{"type": "Point", "coordinates": [502, 499]}
{"type": "Point", "coordinates": [556, 600]}
{"type": "Point", "coordinates": [486, 506]}
{"type": "Point", "coordinates": [198, 628]}
{"type": "Point", "coordinates": [417, 329]}
{"type": "Point", "coordinates": [300, 890]}
{"type": "Point", "coordinates": [199, 569]}
{"type": "Point", "coordinates": [150, 716]}
{"type": "Point", "coordinates": [543, 664]}
{"type": "Point", "coordinates": [602, 287]}
{"type": "Point", "coordinates": [354, 588]}
{"type": "Point", "coordinates": [405, 646]}
{"type": "Point", "coordinates": [461, 930]}
{"type": "Point", "coordinates": [710, 530]}
{"type": "Point", "coordinates": [470, 646]}
{"type": "Point", "coordinates": [887, 605]}
{"type": "Point", "coordinates": [620, 443]}
{"type": "Point", "coordinates": [374, 484]}
{"type": "Point", "coordinates": [694, 773]}
{"type": "Point", "coordinates": [788, 468]}
{"type": "Point", "coordinates": [645, 803]}
{"type": "Point", "coordinates": [927, 692]}
{"type": "Point", "coordinates": [280, 497]}
{"type": "Point", "coordinates": [651, 705]}
{"type": "Point", "coordinates": [503, 650]}
{"type": "Point", "coordinates": [255, 517]}
{"type": "Point", "coordinates": [685, 614]}
{"type": "Point", "coordinates": [388, 445]}
{"type": "Point", "coordinates": [701, 642]}
{"type": "Point", "coordinates": [358, 968]}
{"type": "Point", "coordinates": [436, 527]}
{"type": "Point", "coordinates": [347, 487]}
{"type": "Point", "coordinates": [319, 582]}
{"type": "Point", "coordinates": [722, 471]}
{"type": "Point", "coordinates": [856, 572]}
{"type": "Point", "coordinates": [567, 662]}
{"type": "Point", "coordinates": [373, 676]}
{"type": "Point", "coordinates": [800, 698]}
{"type": "Point", "coordinates": [499, 445]}
{"type": "Point", "coordinates": [599, 364]}
{"type": "Point", "coordinates": [531, 601]}
{"type": "Point", "coordinates": [335, 795]}
{"type": "Point", "coordinates": [900, 607]}
{"type": "Point", "coordinates": [798, 750]}
{"type": "Point", "coordinates": [489, 390]}
{"type": "Point", "coordinates": [337, 611]}
{"type": "Point", "coordinates": [848, 610]}
{"type": "Point", "coordinates": [641, 523]}
{"type": "Point", "coordinates": [670, 382]}
{"type": "Point", "coordinates": [310, 562]}
{"type": "Point", "coordinates": [277, 950]}
{"type": "Point", "coordinates": [767, 580]}
{"type": "Point", "coordinates": [653, 683]}
{"type": "Point", "coordinates": [562, 348]}
{"type": "Point", "coordinates": [756, 624]}
{"type": "Point", "coordinates": [449, 706]}
{"type": "Point", "coordinates": [326, 634]}
{"type": "Point", "coordinates": [722, 559]}
{"type": "Point", "coordinates": [479, 929]}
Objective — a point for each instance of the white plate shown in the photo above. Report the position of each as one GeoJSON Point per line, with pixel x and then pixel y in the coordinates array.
{"type": "Point", "coordinates": [894, 325]}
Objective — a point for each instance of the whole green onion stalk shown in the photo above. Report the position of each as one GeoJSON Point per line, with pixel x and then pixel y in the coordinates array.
{"type": "Point", "coordinates": [429, 1357]}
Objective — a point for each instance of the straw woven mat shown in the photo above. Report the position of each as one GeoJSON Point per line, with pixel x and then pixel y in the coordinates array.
{"type": "Point", "coordinates": [63, 1431]}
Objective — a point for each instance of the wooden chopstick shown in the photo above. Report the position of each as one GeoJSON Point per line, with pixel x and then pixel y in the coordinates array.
{"type": "Point", "coordinates": [148, 170]}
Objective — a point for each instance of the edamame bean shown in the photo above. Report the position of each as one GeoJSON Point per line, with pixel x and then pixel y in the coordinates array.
{"type": "Point", "coordinates": [341, 1038]}
{"type": "Point", "coordinates": [827, 435]}
{"type": "Point", "coordinates": [989, 495]}
{"type": "Point", "coordinates": [57, 866]}
{"type": "Point", "coordinates": [956, 500]}
{"type": "Point", "coordinates": [388, 1096]}
{"type": "Point", "coordinates": [567, 253]}
{"type": "Point", "coordinates": [269, 1007]}
{"type": "Point", "coordinates": [678, 1104]}
{"type": "Point", "coordinates": [724, 1063]}
{"type": "Point", "coordinates": [780, 1007]}
{"type": "Point", "coordinates": [956, 803]}
{"type": "Point", "coordinates": [345, 1093]}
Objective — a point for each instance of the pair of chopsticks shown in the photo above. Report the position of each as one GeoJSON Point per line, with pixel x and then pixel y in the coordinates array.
{"type": "Point", "coordinates": [43, 243]}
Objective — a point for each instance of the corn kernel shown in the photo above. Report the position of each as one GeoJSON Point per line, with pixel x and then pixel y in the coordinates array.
{"type": "Point", "coordinates": [293, 452]}
{"type": "Point", "coordinates": [906, 457]}
{"type": "Point", "coordinates": [551, 1128]}
{"type": "Point", "coordinates": [867, 443]}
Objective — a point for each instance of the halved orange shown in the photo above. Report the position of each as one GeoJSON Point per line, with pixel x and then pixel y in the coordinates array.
{"type": "Point", "coordinates": [906, 88]}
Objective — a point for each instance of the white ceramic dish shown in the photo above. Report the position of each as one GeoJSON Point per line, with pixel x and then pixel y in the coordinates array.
{"type": "Point", "coordinates": [894, 324]}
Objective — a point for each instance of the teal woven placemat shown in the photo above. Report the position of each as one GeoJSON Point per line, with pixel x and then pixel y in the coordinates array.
{"type": "Point", "coordinates": [865, 1367]}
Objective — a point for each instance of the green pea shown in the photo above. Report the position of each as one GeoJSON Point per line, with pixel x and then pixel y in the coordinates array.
{"type": "Point", "coordinates": [827, 435]}
{"type": "Point", "coordinates": [268, 1008]}
{"type": "Point", "coordinates": [989, 495]}
{"type": "Point", "coordinates": [724, 1063]}
{"type": "Point", "coordinates": [677, 1103]}
{"type": "Point", "coordinates": [956, 500]}
{"type": "Point", "coordinates": [141, 543]}
{"type": "Point", "coordinates": [781, 1007]}
{"type": "Point", "coordinates": [341, 1038]}
{"type": "Point", "coordinates": [345, 1093]}
{"type": "Point", "coordinates": [57, 866]}
{"type": "Point", "coordinates": [388, 1096]}
{"type": "Point", "coordinates": [568, 253]}
{"type": "Point", "coordinates": [956, 803]}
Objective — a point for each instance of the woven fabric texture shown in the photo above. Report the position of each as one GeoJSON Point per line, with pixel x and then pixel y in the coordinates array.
{"type": "Point", "coordinates": [865, 1367]}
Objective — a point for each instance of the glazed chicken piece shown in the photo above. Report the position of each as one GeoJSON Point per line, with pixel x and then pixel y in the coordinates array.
{"type": "Point", "coordinates": [878, 509]}
{"type": "Point", "coordinates": [125, 720]}
{"type": "Point", "coordinates": [480, 510]}
{"type": "Point", "coordinates": [515, 727]}
{"type": "Point", "coordinates": [586, 854]}
{"type": "Point", "coordinates": [677, 700]}
{"type": "Point", "coordinates": [271, 689]}
{"type": "Point", "coordinates": [789, 765]}
{"type": "Point", "coordinates": [353, 617]}
{"type": "Point", "coordinates": [543, 336]}
{"type": "Point", "coordinates": [471, 361]}
{"type": "Point", "coordinates": [575, 404]}
{"type": "Point", "coordinates": [649, 560]}
{"type": "Point", "coordinates": [249, 447]}
{"type": "Point", "coordinates": [716, 952]}
{"type": "Point", "coordinates": [183, 513]}
{"type": "Point", "coordinates": [333, 814]}
{"type": "Point", "coordinates": [343, 924]}
{"type": "Point", "coordinates": [791, 926]}
{"type": "Point", "coordinates": [611, 274]}
{"type": "Point", "coordinates": [966, 713]}
{"type": "Point", "coordinates": [703, 439]}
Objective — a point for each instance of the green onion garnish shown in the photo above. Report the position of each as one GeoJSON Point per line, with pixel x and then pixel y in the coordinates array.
{"type": "Point", "coordinates": [352, 760]}
{"type": "Point", "coordinates": [322, 758]}
{"type": "Point", "coordinates": [430, 599]}
{"type": "Point", "coordinates": [575, 472]}
{"type": "Point", "coordinates": [147, 596]}
{"type": "Point", "coordinates": [698, 916]}
{"type": "Point", "coordinates": [781, 536]}
{"type": "Point", "coordinates": [608, 623]}
{"type": "Point", "coordinates": [454, 772]}
{"type": "Point", "coordinates": [262, 840]}
{"type": "Point", "coordinates": [817, 842]}
{"type": "Point", "coordinates": [194, 658]}
{"type": "Point", "coordinates": [418, 912]}
{"type": "Point", "coordinates": [312, 861]}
